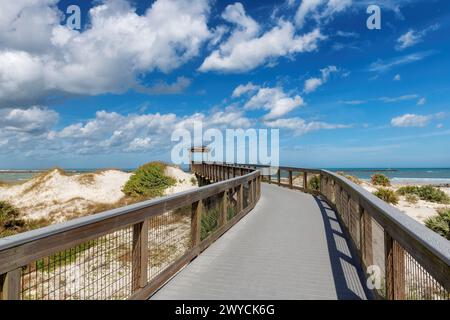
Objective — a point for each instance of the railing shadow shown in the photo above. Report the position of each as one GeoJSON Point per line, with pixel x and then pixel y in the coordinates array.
{"type": "Point", "coordinates": [349, 278]}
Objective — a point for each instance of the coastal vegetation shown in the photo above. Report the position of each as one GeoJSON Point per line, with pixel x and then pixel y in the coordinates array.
{"type": "Point", "coordinates": [314, 183]}
{"type": "Point", "coordinates": [440, 223]}
{"type": "Point", "coordinates": [350, 177]}
{"type": "Point", "coordinates": [148, 181]}
{"type": "Point", "coordinates": [379, 179]}
{"type": "Point", "coordinates": [426, 193]}
{"type": "Point", "coordinates": [9, 219]}
{"type": "Point", "coordinates": [387, 195]}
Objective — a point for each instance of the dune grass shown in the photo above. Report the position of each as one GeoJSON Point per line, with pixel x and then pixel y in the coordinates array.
{"type": "Point", "coordinates": [426, 193]}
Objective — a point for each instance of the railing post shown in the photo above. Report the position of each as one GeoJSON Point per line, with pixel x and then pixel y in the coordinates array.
{"type": "Point", "coordinates": [196, 220]}
{"type": "Point", "coordinates": [389, 262]}
{"type": "Point", "coordinates": [279, 176]}
{"type": "Point", "coordinates": [305, 180]}
{"type": "Point", "coordinates": [395, 269]}
{"type": "Point", "coordinates": [290, 179]}
{"type": "Point", "coordinates": [139, 255]}
{"type": "Point", "coordinates": [240, 198]}
{"type": "Point", "coordinates": [223, 208]}
{"type": "Point", "coordinates": [250, 190]}
{"type": "Point", "coordinates": [11, 285]}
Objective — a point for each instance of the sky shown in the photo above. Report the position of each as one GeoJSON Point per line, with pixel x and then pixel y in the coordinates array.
{"type": "Point", "coordinates": [112, 93]}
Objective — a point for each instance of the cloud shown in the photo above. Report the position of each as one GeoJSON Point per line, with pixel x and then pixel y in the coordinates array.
{"type": "Point", "coordinates": [34, 120]}
{"type": "Point", "coordinates": [247, 47]}
{"type": "Point", "coordinates": [321, 11]}
{"type": "Point", "coordinates": [411, 120]}
{"type": "Point", "coordinates": [346, 34]}
{"type": "Point", "coordinates": [161, 87]}
{"type": "Point", "coordinates": [41, 57]}
{"type": "Point", "coordinates": [32, 131]}
{"type": "Point", "coordinates": [299, 126]}
{"type": "Point", "coordinates": [275, 100]}
{"type": "Point", "coordinates": [243, 89]}
{"type": "Point", "coordinates": [421, 101]}
{"type": "Point", "coordinates": [312, 84]}
{"type": "Point", "coordinates": [383, 66]}
{"type": "Point", "coordinates": [398, 99]}
{"type": "Point", "coordinates": [413, 37]}
{"type": "Point", "coordinates": [397, 77]}
{"type": "Point", "coordinates": [354, 102]}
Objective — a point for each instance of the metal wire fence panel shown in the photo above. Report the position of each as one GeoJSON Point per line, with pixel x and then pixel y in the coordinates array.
{"type": "Point", "coordinates": [97, 269]}
{"type": "Point", "coordinates": [169, 238]}
{"type": "Point", "coordinates": [378, 255]}
{"type": "Point", "coordinates": [210, 217]}
{"type": "Point", "coordinates": [418, 283]}
{"type": "Point", "coordinates": [232, 203]}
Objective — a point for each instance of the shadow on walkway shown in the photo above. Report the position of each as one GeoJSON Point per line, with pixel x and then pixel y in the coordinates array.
{"type": "Point", "coordinates": [347, 271]}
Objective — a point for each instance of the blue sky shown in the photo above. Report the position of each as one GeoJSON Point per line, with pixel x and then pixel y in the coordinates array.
{"type": "Point", "coordinates": [110, 94]}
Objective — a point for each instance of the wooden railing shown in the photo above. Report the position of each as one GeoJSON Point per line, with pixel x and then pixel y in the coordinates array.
{"type": "Point", "coordinates": [412, 261]}
{"type": "Point", "coordinates": [129, 253]}
{"type": "Point", "coordinates": [126, 253]}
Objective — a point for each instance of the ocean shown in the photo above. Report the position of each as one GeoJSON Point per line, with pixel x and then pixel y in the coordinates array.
{"type": "Point", "coordinates": [396, 175]}
{"type": "Point", "coordinates": [402, 175]}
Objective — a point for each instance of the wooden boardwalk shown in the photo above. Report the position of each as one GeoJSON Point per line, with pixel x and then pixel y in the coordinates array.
{"type": "Point", "coordinates": [290, 246]}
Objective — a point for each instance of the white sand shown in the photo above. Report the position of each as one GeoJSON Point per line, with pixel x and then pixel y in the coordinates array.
{"type": "Point", "coordinates": [59, 197]}
{"type": "Point", "coordinates": [184, 180]}
{"type": "Point", "coordinates": [419, 211]}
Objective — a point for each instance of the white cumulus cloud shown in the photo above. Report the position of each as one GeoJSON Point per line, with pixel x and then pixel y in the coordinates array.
{"type": "Point", "coordinates": [411, 120]}
{"type": "Point", "coordinates": [274, 100]}
{"type": "Point", "coordinates": [247, 47]}
{"type": "Point", "coordinates": [117, 47]}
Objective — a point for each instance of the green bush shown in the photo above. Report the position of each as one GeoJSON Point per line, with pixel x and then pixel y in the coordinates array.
{"type": "Point", "coordinates": [387, 195]}
{"type": "Point", "coordinates": [440, 223]}
{"type": "Point", "coordinates": [379, 179]}
{"type": "Point", "coordinates": [148, 181]}
{"type": "Point", "coordinates": [427, 193]}
{"type": "Point", "coordinates": [9, 219]}
{"type": "Point", "coordinates": [314, 183]}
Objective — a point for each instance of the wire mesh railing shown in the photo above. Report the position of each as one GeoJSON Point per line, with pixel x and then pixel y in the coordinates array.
{"type": "Point", "coordinates": [409, 260]}
{"type": "Point", "coordinates": [125, 253]}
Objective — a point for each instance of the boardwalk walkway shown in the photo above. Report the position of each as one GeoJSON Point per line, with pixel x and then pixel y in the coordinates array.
{"type": "Point", "coordinates": [290, 246]}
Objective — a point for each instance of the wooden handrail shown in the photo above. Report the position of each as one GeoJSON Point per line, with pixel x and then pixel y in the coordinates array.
{"type": "Point", "coordinates": [20, 250]}
{"type": "Point", "coordinates": [407, 244]}
{"type": "Point", "coordinates": [403, 235]}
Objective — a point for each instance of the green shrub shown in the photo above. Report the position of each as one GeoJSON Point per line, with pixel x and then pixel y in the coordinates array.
{"type": "Point", "coordinates": [148, 181]}
{"type": "Point", "coordinates": [412, 198]}
{"type": "Point", "coordinates": [379, 179]}
{"type": "Point", "coordinates": [314, 183]}
{"type": "Point", "coordinates": [427, 193]}
{"type": "Point", "coordinates": [387, 195]}
{"type": "Point", "coordinates": [440, 223]}
{"type": "Point", "coordinates": [9, 219]}
{"type": "Point", "coordinates": [194, 181]}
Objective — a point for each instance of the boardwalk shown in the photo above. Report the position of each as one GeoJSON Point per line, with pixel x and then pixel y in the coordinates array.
{"type": "Point", "coordinates": [290, 246]}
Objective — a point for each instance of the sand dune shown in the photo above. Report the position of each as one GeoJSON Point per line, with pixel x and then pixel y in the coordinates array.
{"type": "Point", "coordinates": [58, 196]}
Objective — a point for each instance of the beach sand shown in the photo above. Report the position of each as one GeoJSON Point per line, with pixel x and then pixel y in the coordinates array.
{"type": "Point", "coordinates": [419, 211]}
